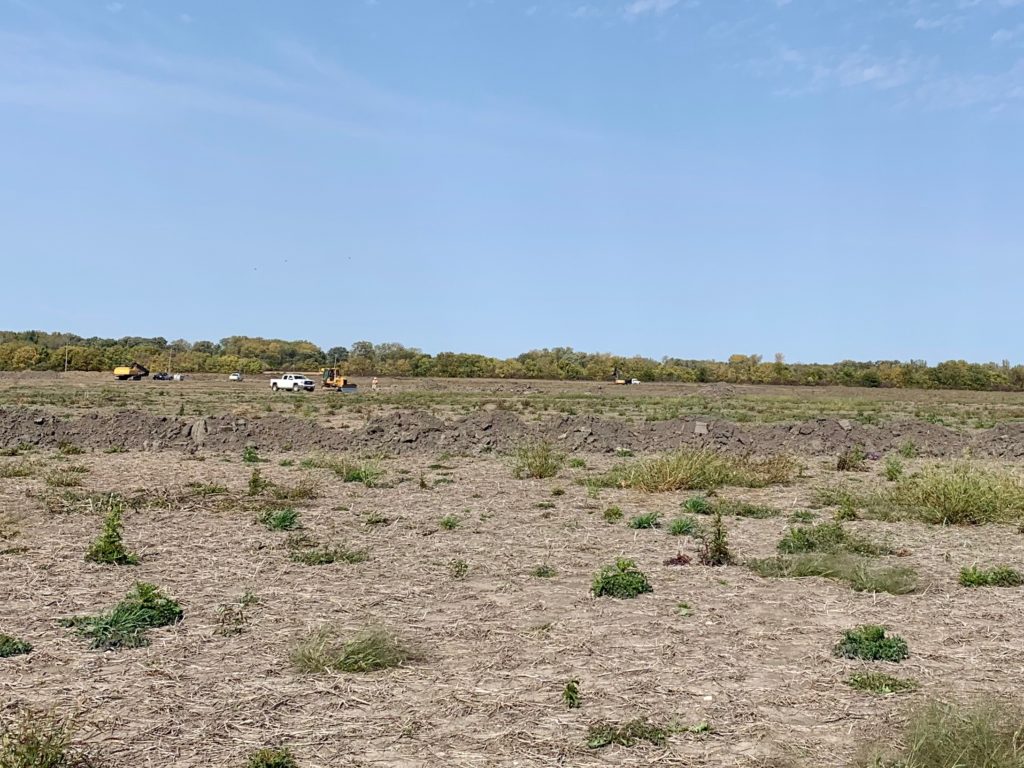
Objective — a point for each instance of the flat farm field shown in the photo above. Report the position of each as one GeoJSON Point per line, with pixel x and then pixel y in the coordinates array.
{"type": "Point", "coordinates": [506, 573]}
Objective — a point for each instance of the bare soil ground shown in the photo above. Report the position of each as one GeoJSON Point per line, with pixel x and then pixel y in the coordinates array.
{"type": "Point", "coordinates": [752, 657]}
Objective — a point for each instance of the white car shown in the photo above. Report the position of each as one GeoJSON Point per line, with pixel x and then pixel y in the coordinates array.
{"type": "Point", "coordinates": [236, 376]}
{"type": "Point", "coordinates": [293, 382]}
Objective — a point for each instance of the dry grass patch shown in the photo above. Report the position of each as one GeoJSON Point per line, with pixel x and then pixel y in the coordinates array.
{"type": "Point", "coordinates": [861, 574]}
{"type": "Point", "coordinates": [371, 649]}
{"type": "Point", "coordinates": [978, 734]}
{"type": "Point", "coordinates": [33, 740]}
{"type": "Point", "coordinates": [698, 470]}
{"type": "Point", "coordinates": [536, 460]}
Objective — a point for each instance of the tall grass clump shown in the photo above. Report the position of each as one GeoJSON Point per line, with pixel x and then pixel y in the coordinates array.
{"type": "Point", "coordinates": [536, 460]}
{"type": "Point", "coordinates": [985, 733]}
{"type": "Point", "coordinates": [368, 650]}
{"type": "Point", "coordinates": [108, 548]}
{"type": "Point", "coordinates": [622, 580]}
{"type": "Point", "coordinates": [125, 625]}
{"type": "Point", "coordinates": [701, 470]}
{"type": "Point", "coordinates": [963, 494]}
{"type": "Point", "coordinates": [32, 740]}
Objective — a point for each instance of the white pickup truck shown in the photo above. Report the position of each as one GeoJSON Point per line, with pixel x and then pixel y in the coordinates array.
{"type": "Point", "coordinates": [293, 382]}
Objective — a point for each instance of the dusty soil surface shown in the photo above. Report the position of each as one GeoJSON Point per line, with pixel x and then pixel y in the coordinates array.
{"type": "Point", "coordinates": [403, 432]}
{"type": "Point", "coordinates": [751, 657]}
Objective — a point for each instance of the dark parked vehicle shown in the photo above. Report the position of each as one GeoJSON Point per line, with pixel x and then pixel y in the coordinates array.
{"type": "Point", "coordinates": [162, 376]}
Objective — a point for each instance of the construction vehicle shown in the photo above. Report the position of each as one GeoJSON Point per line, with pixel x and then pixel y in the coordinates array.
{"type": "Point", "coordinates": [334, 380]}
{"type": "Point", "coordinates": [618, 378]}
{"type": "Point", "coordinates": [135, 371]}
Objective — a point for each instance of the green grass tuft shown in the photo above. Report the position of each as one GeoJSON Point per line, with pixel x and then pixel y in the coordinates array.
{"type": "Point", "coordinates": [537, 460]}
{"type": "Point", "coordinates": [285, 519]}
{"type": "Point", "coordinates": [646, 520]}
{"type": "Point", "coordinates": [571, 694]}
{"type": "Point", "coordinates": [612, 514]}
{"type": "Point", "coordinates": [125, 625]}
{"type": "Point", "coordinates": [684, 526]}
{"type": "Point", "coordinates": [302, 549]}
{"type": "Point", "coordinates": [544, 571]}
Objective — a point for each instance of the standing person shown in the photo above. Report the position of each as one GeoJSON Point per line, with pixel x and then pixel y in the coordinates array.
{"type": "Point", "coordinates": [374, 384]}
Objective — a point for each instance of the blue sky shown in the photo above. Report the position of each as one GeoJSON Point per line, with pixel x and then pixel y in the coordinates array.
{"type": "Point", "coordinates": [829, 179]}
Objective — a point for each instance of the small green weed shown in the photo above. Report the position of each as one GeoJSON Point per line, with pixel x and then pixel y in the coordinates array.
{"type": "Point", "coordinates": [250, 455]}
{"type": "Point", "coordinates": [577, 463]}
{"type": "Point", "coordinates": [699, 505]}
{"type": "Point", "coordinates": [870, 643]}
{"type": "Point", "coordinates": [11, 646]}
{"type": "Point", "coordinates": [70, 449]}
{"type": "Point", "coordinates": [571, 694]}
{"type": "Point", "coordinates": [908, 450]}
{"type": "Point", "coordinates": [879, 682]}
{"type": "Point", "coordinates": [458, 568]}
{"type": "Point", "coordinates": [306, 551]}
{"type": "Point", "coordinates": [626, 734]}
{"type": "Point", "coordinates": [450, 522]}
{"type": "Point", "coordinates": [999, 576]}
{"type": "Point", "coordinates": [714, 547]}
{"type": "Point", "coordinates": [544, 571]}
{"type": "Point", "coordinates": [257, 483]}
{"type": "Point", "coordinates": [272, 757]}
{"type": "Point", "coordinates": [108, 548]}
{"type": "Point", "coordinates": [851, 460]}
{"type": "Point", "coordinates": [893, 469]}
{"type": "Point", "coordinates": [612, 514]}
{"type": "Point", "coordinates": [622, 580]}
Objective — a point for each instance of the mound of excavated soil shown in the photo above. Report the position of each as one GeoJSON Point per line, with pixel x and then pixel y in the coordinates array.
{"type": "Point", "coordinates": [493, 430]}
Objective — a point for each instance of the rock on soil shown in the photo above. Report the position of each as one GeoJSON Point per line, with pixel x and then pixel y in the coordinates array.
{"type": "Point", "coordinates": [493, 430]}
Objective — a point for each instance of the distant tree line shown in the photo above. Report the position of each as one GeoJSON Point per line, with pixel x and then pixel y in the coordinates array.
{"type": "Point", "coordinates": [40, 351]}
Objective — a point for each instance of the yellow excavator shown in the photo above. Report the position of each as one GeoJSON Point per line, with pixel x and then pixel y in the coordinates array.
{"type": "Point", "coordinates": [334, 380]}
{"type": "Point", "coordinates": [135, 371]}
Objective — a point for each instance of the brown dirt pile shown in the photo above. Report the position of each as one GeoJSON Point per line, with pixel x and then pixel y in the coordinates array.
{"type": "Point", "coordinates": [405, 432]}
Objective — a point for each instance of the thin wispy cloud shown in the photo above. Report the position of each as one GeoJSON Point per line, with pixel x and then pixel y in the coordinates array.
{"type": "Point", "coordinates": [649, 7]}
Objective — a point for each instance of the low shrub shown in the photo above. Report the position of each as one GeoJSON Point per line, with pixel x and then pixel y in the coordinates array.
{"type": "Point", "coordinates": [108, 548]}
{"type": "Point", "coordinates": [870, 643]}
{"type": "Point", "coordinates": [12, 646]}
{"type": "Point", "coordinates": [33, 740]}
{"type": "Point", "coordinates": [714, 547]}
{"type": "Point", "coordinates": [851, 460]}
{"type": "Point", "coordinates": [999, 576]}
{"type": "Point", "coordinates": [622, 580]}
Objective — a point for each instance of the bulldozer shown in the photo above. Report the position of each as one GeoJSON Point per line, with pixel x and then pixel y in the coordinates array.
{"type": "Point", "coordinates": [334, 380]}
{"type": "Point", "coordinates": [135, 371]}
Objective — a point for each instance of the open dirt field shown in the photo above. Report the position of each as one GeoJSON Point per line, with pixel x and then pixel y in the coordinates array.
{"type": "Point", "coordinates": [736, 668]}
